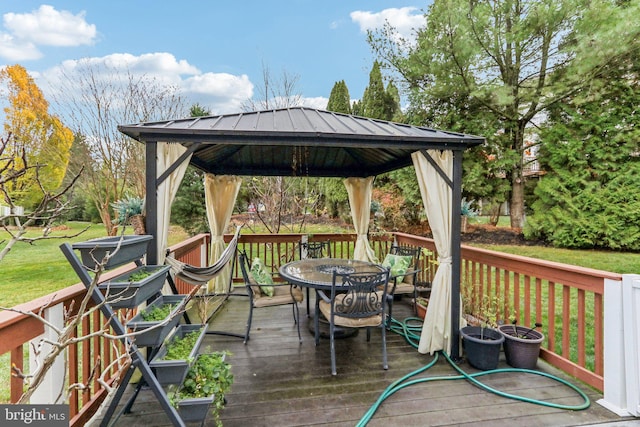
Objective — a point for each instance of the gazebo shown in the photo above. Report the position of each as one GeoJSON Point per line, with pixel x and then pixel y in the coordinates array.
{"type": "Point", "coordinates": [307, 142]}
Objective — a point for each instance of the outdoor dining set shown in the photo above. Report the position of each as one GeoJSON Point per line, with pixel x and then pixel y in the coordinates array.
{"type": "Point", "coordinates": [349, 294]}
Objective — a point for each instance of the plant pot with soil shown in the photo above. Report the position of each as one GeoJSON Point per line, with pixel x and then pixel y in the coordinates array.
{"type": "Point", "coordinates": [421, 306]}
{"type": "Point", "coordinates": [521, 345]}
{"type": "Point", "coordinates": [154, 323]}
{"type": "Point", "coordinates": [482, 346]}
{"type": "Point", "coordinates": [122, 249]}
{"type": "Point", "coordinates": [172, 361]}
{"type": "Point", "coordinates": [206, 382]}
{"type": "Point", "coordinates": [134, 287]}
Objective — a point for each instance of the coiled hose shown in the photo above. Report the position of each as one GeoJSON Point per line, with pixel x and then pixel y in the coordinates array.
{"type": "Point", "coordinates": [411, 327]}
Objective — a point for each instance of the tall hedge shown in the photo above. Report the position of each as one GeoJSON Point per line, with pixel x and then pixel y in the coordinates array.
{"type": "Point", "coordinates": [590, 195]}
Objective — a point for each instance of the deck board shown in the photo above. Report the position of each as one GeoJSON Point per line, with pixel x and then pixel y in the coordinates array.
{"type": "Point", "coordinates": [279, 382]}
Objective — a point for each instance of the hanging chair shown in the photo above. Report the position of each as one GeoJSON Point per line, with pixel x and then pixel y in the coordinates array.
{"type": "Point", "coordinates": [199, 276]}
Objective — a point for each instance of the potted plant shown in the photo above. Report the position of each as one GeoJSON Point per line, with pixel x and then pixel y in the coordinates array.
{"type": "Point", "coordinates": [154, 323]}
{"type": "Point", "coordinates": [482, 343]}
{"type": "Point", "coordinates": [206, 382]}
{"type": "Point", "coordinates": [172, 361]}
{"type": "Point", "coordinates": [129, 211]}
{"type": "Point", "coordinates": [134, 287]}
{"type": "Point", "coordinates": [467, 212]}
{"type": "Point", "coordinates": [122, 250]}
{"type": "Point", "coordinates": [421, 306]}
{"type": "Point", "coordinates": [521, 345]}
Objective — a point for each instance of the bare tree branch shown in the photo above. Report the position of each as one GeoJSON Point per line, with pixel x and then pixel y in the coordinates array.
{"type": "Point", "coordinates": [51, 208]}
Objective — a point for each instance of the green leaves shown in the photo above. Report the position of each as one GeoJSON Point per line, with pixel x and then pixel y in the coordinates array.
{"type": "Point", "coordinates": [339, 100]}
{"type": "Point", "coordinates": [157, 312]}
{"type": "Point", "coordinates": [210, 375]}
{"type": "Point", "coordinates": [588, 197]}
{"type": "Point", "coordinates": [179, 348]}
{"type": "Point", "coordinates": [495, 68]}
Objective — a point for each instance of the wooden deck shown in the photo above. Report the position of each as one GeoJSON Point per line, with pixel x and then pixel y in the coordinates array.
{"type": "Point", "coordinates": [279, 382]}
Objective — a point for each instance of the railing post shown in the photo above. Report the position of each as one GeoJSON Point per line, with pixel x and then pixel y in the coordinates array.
{"type": "Point", "coordinates": [616, 331]}
{"type": "Point", "coordinates": [50, 389]}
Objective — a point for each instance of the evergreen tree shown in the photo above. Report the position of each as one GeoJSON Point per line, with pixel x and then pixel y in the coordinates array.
{"type": "Point", "coordinates": [356, 108]}
{"type": "Point", "coordinates": [198, 110]}
{"type": "Point", "coordinates": [377, 103]}
{"type": "Point", "coordinates": [339, 100]}
{"type": "Point", "coordinates": [515, 59]}
{"type": "Point", "coordinates": [589, 196]}
{"type": "Point", "coordinates": [394, 97]}
{"type": "Point", "coordinates": [189, 207]}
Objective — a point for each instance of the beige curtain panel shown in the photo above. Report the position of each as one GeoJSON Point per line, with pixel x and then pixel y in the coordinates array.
{"type": "Point", "coordinates": [359, 190]}
{"type": "Point", "coordinates": [220, 195]}
{"type": "Point", "coordinates": [167, 155]}
{"type": "Point", "coordinates": [436, 198]}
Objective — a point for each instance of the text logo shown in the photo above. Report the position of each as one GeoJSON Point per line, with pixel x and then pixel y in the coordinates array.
{"type": "Point", "coordinates": [34, 415]}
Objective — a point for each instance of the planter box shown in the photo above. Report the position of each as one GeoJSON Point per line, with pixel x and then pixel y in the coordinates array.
{"type": "Point", "coordinates": [121, 292]}
{"type": "Point", "coordinates": [156, 334]}
{"type": "Point", "coordinates": [482, 347]}
{"type": "Point", "coordinates": [131, 249]}
{"type": "Point", "coordinates": [521, 352]}
{"type": "Point", "coordinates": [195, 408]}
{"type": "Point", "coordinates": [173, 371]}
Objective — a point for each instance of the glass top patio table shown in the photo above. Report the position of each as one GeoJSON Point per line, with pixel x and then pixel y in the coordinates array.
{"type": "Point", "coordinates": [317, 273]}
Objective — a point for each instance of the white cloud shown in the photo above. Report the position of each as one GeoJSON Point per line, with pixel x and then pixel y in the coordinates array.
{"type": "Point", "coordinates": [49, 27]}
{"type": "Point", "coordinates": [17, 50]}
{"type": "Point", "coordinates": [318, 102]}
{"type": "Point", "coordinates": [405, 20]}
{"type": "Point", "coordinates": [219, 92]}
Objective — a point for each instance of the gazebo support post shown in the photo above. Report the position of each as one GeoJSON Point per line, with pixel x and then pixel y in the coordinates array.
{"type": "Point", "coordinates": [456, 253]}
{"type": "Point", "coordinates": [151, 200]}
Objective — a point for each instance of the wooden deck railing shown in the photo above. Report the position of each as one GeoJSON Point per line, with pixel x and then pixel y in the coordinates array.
{"type": "Point", "coordinates": [17, 330]}
{"type": "Point", "coordinates": [568, 300]}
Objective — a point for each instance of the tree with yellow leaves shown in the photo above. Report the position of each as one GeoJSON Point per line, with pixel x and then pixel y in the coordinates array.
{"type": "Point", "coordinates": [42, 137]}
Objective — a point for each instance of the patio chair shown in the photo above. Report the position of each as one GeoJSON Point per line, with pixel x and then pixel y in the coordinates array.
{"type": "Point", "coordinates": [264, 293]}
{"type": "Point", "coordinates": [314, 250]}
{"type": "Point", "coordinates": [357, 300]}
{"type": "Point", "coordinates": [403, 261]}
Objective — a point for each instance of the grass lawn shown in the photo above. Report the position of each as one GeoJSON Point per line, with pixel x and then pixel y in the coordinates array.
{"type": "Point", "coordinates": [616, 262]}
{"type": "Point", "coordinates": [32, 271]}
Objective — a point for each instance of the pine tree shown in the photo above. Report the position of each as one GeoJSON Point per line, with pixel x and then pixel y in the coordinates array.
{"type": "Point", "coordinates": [339, 100]}
{"type": "Point", "coordinates": [514, 58]}
{"type": "Point", "coordinates": [376, 102]}
{"type": "Point", "coordinates": [589, 196]}
{"type": "Point", "coordinates": [188, 209]}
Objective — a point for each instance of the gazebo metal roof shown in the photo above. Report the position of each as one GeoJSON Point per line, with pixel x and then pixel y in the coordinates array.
{"type": "Point", "coordinates": [298, 141]}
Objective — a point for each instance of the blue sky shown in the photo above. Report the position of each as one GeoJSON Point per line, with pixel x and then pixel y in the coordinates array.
{"type": "Point", "coordinates": [213, 50]}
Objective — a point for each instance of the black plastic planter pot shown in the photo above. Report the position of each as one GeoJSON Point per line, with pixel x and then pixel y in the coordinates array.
{"type": "Point", "coordinates": [173, 371]}
{"type": "Point", "coordinates": [131, 248]}
{"type": "Point", "coordinates": [482, 346]}
{"type": "Point", "coordinates": [521, 346]}
{"type": "Point", "coordinates": [153, 334]}
{"type": "Point", "coordinates": [122, 292]}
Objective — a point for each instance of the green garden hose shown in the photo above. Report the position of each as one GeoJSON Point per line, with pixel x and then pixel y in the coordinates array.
{"type": "Point", "coordinates": [411, 328]}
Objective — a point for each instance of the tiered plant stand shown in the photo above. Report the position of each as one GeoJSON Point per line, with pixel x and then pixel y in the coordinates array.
{"type": "Point", "coordinates": [128, 249]}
